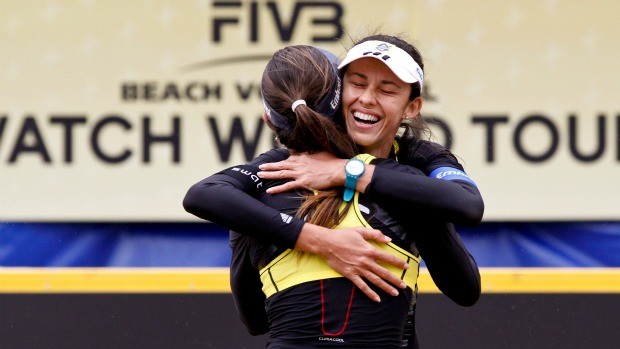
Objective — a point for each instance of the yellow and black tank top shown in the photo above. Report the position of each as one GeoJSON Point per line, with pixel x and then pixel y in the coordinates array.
{"type": "Point", "coordinates": [292, 267]}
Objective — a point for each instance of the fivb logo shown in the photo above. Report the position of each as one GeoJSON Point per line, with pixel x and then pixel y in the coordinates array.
{"type": "Point", "coordinates": [325, 16]}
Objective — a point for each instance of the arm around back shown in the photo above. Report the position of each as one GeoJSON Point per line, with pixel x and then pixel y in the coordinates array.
{"type": "Point", "coordinates": [393, 184]}
{"type": "Point", "coordinates": [225, 200]}
{"type": "Point", "coordinates": [451, 266]}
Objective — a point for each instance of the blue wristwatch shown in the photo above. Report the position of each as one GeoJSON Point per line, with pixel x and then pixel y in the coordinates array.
{"type": "Point", "coordinates": [353, 169]}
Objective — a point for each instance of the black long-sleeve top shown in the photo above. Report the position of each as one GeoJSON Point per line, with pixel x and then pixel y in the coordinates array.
{"type": "Point", "coordinates": [420, 203]}
{"type": "Point", "coordinates": [219, 198]}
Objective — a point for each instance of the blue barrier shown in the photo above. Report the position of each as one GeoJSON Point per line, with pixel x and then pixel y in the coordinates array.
{"type": "Point", "coordinates": [493, 244]}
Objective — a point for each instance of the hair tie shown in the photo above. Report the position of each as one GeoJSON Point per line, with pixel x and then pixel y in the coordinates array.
{"type": "Point", "coordinates": [297, 103]}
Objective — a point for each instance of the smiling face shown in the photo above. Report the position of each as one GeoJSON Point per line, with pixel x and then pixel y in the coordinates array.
{"type": "Point", "coordinates": [374, 103]}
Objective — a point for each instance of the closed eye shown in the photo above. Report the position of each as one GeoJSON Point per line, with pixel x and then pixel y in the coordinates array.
{"type": "Point", "coordinates": [357, 83]}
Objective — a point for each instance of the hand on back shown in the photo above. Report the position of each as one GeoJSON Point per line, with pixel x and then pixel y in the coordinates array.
{"type": "Point", "coordinates": [349, 253]}
{"type": "Point", "coordinates": [315, 171]}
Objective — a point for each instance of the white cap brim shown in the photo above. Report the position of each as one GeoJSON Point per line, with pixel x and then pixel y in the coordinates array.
{"type": "Point", "coordinates": [399, 61]}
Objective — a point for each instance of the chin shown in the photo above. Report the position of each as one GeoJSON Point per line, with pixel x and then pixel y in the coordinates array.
{"type": "Point", "coordinates": [363, 142]}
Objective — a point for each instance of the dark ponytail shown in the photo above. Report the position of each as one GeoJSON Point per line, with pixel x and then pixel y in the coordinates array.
{"type": "Point", "coordinates": [305, 73]}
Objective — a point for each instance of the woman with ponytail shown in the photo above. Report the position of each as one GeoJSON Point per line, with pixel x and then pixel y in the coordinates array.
{"type": "Point", "coordinates": [287, 244]}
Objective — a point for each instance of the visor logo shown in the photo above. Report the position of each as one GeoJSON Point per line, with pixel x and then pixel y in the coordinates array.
{"type": "Point", "coordinates": [382, 47]}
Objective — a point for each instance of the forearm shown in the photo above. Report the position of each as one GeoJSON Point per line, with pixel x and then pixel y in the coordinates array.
{"type": "Point", "coordinates": [454, 201]}
{"type": "Point", "coordinates": [450, 264]}
{"type": "Point", "coordinates": [312, 238]}
{"type": "Point", "coordinates": [220, 200]}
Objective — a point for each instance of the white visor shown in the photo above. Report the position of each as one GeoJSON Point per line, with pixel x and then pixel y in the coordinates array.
{"type": "Point", "coordinates": [399, 61]}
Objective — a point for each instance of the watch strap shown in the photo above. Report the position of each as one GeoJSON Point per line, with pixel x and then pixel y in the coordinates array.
{"type": "Point", "coordinates": [348, 194]}
{"type": "Point", "coordinates": [351, 180]}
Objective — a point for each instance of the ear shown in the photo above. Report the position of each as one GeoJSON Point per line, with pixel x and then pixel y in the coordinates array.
{"type": "Point", "coordinates": [266, 120]}
{"type": "Point", "coordinates": [413, 108]}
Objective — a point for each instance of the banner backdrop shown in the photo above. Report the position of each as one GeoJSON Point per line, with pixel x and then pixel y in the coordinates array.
{"type": "Point", "coordinates": [110, 110]}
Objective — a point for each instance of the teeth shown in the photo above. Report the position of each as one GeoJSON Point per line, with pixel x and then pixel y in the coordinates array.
{"type": "Point", "coordinates": [365, 117]}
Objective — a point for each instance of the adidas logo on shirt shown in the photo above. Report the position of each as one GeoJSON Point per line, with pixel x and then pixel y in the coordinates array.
{"type": "Point", "coordinates": [285, 218]}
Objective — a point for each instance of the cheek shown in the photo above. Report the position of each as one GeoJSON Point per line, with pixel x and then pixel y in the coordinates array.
{"type": "Point", "coordinates": [395, 120]}
{"type": "Point", "coordinates": [347, 99]}
{"type": "Point", "coordinates": [397, 109]}
{"type": "Point", "coordinates": [394, 112]}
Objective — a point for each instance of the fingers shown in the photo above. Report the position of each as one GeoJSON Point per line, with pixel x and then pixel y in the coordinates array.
{"type": "Point", "coordinates": [365, 288]}
{"type": "Point", "coordinates": [373, 234]}
{"type": "Point", "coordinates": [278, 166]}
{"type": "Point", "coordinates": [392, 260]}
{"type": "Point", "coordinates": [383, 283]}
{"type": "Point", "coordinates": [288, 186]}
{"type": "Point", "coordinates": [272, 166]}
{"type": "Point", "coordinates": [280, 174]}
{"type": "Point", "coordinates": [378, 236]}
{"type": "Point", "coordinates": [383, 280]}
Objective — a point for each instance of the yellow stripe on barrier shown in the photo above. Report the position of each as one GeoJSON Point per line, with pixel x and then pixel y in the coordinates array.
{"type": "Point", "coordinates": [216, 280]}
{"type": "Point", "coordinates": [114, 280]}
{"type": "Point", "coordinates": [550, 280]}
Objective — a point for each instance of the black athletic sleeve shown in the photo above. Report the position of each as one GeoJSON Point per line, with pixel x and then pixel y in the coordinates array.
{"type": "Point", "coordinates": [427, 216]}
{"type": "Point", "coordinates": [431, 157]}
{"type": "Point", "coordinates": [246, 285]}
{"type": "Point", "coordinates": [451, 266]}
{"type": "Point", "coordinates": [424, 206]}
{"type": "Point", "coordinates": [426, 155]}
{"type": "Point", "coordinates": [394, 184]}
{"type": "Point", "coordinates": [228, 198]}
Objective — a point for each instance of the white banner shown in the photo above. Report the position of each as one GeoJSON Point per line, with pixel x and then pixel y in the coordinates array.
{"type": "Point", "coordinates": [110, 110]}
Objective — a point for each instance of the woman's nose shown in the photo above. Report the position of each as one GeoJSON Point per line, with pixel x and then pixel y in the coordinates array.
{"type": "Point", "coordinates": [367, 96]}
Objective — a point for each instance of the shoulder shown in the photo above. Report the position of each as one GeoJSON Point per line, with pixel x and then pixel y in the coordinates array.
{"type": "Point", "coordinates": [273, 155]}
{"type": "Point", "coordinates": [426, 155]}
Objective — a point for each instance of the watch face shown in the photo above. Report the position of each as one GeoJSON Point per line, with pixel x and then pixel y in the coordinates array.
{"type": "Point", "coordinates": [355, 167]}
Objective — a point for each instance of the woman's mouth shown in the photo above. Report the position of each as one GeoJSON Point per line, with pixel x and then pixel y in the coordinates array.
{"type": "Point", "coordinates": [365, 118]}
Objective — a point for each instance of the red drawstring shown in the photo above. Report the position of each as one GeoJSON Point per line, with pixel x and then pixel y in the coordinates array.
{"type": "Point", "coordinates": [346, 320]}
